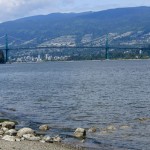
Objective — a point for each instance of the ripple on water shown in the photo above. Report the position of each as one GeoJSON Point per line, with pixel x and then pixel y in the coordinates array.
{"type": "Point", "coordinates": [81, 94]}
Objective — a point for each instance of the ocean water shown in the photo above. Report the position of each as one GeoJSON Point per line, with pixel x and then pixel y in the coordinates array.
{"type": "Point", "coordinates": [67, 95]}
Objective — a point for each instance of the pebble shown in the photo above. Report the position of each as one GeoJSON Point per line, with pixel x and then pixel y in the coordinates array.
{"type": "Point", "coordinates": [9, 138]}
{"type": "Point", "coordinates": [1, 132]}
{"type": "Point", "coordinates": [48, 139]}
{"type": "Point", "coordinates": [11, 132]}
{"type": "Point", "coordinates": [31, 137]}
{"type": "Point", "coordinates": [44, 127]}
{"type": "Point", "coordinates": [57, 139]}
{"type": "Point", "coordinates": [111, 127]}
{"type": "Point", "coordinates": [93, 129]}
{"type": "Point", "coordinates": [124, 127]}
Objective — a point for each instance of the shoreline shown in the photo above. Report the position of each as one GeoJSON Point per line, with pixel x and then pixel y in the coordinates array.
{"type": "Point", "coordinates": [119, 59]}
{"type": "Point", "coordinates": [34, 145]}
{"type": "Point", "coordinates": [28, 138]}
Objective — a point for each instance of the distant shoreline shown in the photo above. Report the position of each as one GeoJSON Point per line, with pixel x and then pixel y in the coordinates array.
{"type": "Point", "coordinates": [77, 61]}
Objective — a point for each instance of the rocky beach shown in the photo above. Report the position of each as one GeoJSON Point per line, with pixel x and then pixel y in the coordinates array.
{"type": "Point", "coordinates": [31, 145]}
{"type": "Point", "coordinates": [28, 139]}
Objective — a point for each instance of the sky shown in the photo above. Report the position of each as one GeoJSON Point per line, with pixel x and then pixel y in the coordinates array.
{"type": "Point", "coordinates": [14, 9]}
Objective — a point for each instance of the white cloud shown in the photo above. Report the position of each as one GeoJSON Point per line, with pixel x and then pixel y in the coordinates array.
{"type": "Point", "coordinates": [12, 9]}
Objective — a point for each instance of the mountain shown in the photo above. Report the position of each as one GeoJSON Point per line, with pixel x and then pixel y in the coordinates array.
{"type": "Point", "coordinates": [126, 26]}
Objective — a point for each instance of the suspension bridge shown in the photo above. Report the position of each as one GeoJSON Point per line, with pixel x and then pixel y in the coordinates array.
{"type": "Point", "coordinates": [6, 47]}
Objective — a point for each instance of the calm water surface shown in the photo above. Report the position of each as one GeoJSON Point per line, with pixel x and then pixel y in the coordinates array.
{"type": "Point", "coordinates": [67, 95]}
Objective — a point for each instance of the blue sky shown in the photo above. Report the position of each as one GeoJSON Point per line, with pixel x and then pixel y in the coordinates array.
{"type": "Point", "coordinates": [13, 9]}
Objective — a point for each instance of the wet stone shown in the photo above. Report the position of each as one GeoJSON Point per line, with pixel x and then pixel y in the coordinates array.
{"type": "Point", "coordinates": [111, 128]}
{"type": "Point", "coordinates": [44, 127]}
{"type": "Point", "coordinates": [57, 139]}
{"type": "Point", "coordinates": [93, 129]}
{"type": "Point", "coordinates": [48, 139]}
{"type": "Point", "coordinates": [4, 129]}
{"type": "Point", "coordinates": [11, 132]}
{"type": "Point", "coordinates": [9, 138]}
{"type": "Point", "coordinates": [31, 137]}
{"type": "Point", "coordinates": [8, 124]}
{"type": "Point", "coordinates": [80, 133]}
{"type": "Point", "coordinates": [124, 127]}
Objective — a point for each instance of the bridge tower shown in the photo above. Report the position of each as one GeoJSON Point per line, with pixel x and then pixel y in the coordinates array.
{"type": "Point", "coordinates": [106, 48]}
{"type": "Point", "coordinates": [6, 47]}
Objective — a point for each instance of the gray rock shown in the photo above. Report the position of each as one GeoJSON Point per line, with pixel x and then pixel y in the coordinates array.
{"type": "Point", "coordinates": [44, 127]}
{"type": "Point", "coordinates": [104, 132]}
{"type": "Point", "coordinates": [4, 129]}
{"type": "Point", "coordinates": [124, 127]}
{"type": "Point", "coordinates": [57, 139]}
{"type": "Point", "coordinates": [31, 137]}
{"type": "Point", "coordinates": [80, 133]}
{"type": "Point", "coordinates": [1, 132]}
{"type": "Point", "coordinates": [111, 128]}
{"type": "Point", "coordinates": [48, 139]}
{"type": "Point", "coordinates": [11, 132]}
{"type": "Point", "coordinates": [42, 141]}
{"type": "Point", "coordinates": [93, 129]}
{"type": "Point", "coordinates": [23, 131]}
{"type": "Point", "coordinates": [8, 124]}
{"type": "Point", "coordinates": [9, 138]}
{"type": "Point", "coordinates": [18, 139]}
{"type": "Point", "coordinates": [22, 139]}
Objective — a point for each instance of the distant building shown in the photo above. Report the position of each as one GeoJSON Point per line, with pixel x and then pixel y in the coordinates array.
{"type": "Point", "coordinates": [140, 52]}
{"type": "Point", "coordinates": [50, 58]}
{"type": "Point", "coordinates": [39, 58]}
{"type": "Point", "coordinates": [46, 56]}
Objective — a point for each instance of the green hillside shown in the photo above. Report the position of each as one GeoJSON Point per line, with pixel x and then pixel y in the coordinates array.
{"type": "Point", "coordinates": [124, 26]}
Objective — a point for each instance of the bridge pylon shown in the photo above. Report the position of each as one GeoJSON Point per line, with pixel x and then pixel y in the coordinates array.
{"type": "Point", "coordinates": [106, 48]}
{"type": "Point", "coordinates": [6, 48]}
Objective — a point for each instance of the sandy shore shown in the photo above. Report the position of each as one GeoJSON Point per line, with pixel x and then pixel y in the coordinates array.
{"type": "Point", "coordinates": [30, 145]}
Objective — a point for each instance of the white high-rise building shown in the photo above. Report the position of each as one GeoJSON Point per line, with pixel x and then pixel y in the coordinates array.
{"type": "Point", "coordinates": [39, 58]}
{"type": "Point", "coordinates": [46, 56]}
{"type": "Point", "coordinates": [140, 52]}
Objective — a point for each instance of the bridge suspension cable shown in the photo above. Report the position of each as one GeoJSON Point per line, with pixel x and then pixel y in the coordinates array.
{"type": "Point", "coordinates": [16, 38]}
{"type": "Point", "coordinates": [2, 37]}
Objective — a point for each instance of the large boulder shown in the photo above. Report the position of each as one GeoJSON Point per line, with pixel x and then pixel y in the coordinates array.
{"type": "Point", "coordinates": [8, 124]}
{"type": "Point", "coordinates": [23, 131]}
{"type": "Point", "coordinates": [80, 133]}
